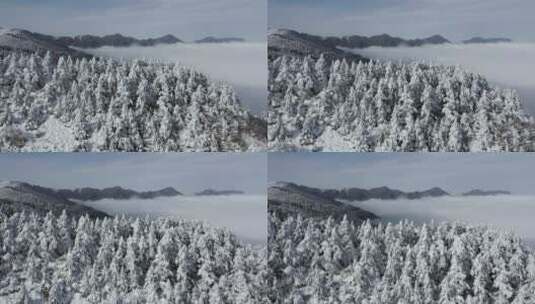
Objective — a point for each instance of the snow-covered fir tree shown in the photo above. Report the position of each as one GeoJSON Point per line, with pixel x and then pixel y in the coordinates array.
{"type": "Point", "coordinates": [57, 259]}
{"type": "Point", "coordinates": [326, 261]}
{"type": "Point", "coordinates": [105, 105]}
{"type": "Point", "coordinates": [340, 106]}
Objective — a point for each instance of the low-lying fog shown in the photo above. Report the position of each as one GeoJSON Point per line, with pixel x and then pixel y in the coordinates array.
{"type": "Point", "coordinates": [242, 65]}
{"type": "Point", "coordinates": [244, 215]}
{"type": "Point", "coordinates": [506, 64]}
{"type": "Point", "coordinates": [507, 212]}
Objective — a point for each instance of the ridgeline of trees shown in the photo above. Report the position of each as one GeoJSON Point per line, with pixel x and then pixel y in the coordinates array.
{"type": "Point", "coordinates": [316, 104]}
{"type": "Point", "coordinates": [58, 259]}
{"type": "Point", "coordinates": [117, 106]}
{"type": "Point", "coordinates": [327, 261]}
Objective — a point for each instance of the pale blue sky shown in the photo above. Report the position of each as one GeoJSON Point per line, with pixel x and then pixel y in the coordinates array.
{"type": "Point", "coordinates": [187, 19]}
{"type": "Point", "coordinates": [455, 19]}
{"type": "Point", "coordinates": [187, 172]}
{"type": "Point", "coordinates": [454, 172]}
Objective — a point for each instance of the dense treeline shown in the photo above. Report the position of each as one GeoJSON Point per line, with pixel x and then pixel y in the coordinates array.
{"type": "Point", "coordinates": [103, 105]}
{"type": "Point", "coordinates": [316, 104]}
{"type": "Point", "coordinates": [57, 259]}
{"type": "Point", "coordinates": [327, 261]}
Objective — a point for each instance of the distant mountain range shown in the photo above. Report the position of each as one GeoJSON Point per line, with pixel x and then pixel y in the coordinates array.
{"type": "Point", "coordinates": [18, 196]}
{"type": "Point", "coordinates": [93, 194]}
{"type": "Point", "coordinates": [386, 193]}
{"type": "Point", "coordinates": [383, 193]}
{"type": "Point", "coordinates": [26, 41]}
{"type": "Point", "coordinates": [211, 192]}
{"type": "Point", "coordinates": [292, 199]}
{"type": "Point", "coordinates": [284, 41]}
{"type": "Point", "coordinates": [116, 40]}
{"type": "Point", "coordinates": [478, 192]}
{"type": "Point", "coordinates": [290, 42]}
{"type": "Point", "coordinates": [384, 40]}
{"type": "Point", "coordinates": [487, 40]}
{"type": "Point", "coordinates": [211, 39]}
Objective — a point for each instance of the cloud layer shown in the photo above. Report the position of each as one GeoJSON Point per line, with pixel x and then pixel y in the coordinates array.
{"type": "Point", "coordinates": [244, 215]}
{"type": "Point", "coordinates": [510, 213]}
{"type": "Point", "coordinates": [243, 65]}
{"type": "Point", "coordinates": [507, 64]}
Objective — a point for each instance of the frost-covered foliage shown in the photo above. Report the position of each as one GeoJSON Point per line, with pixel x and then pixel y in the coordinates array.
{"type": "Point", "coordinates": [105, 105]}
{"type": "Point", "coordinates": [324, 261]}
{"type": "Point", "coordinates": [315, 104]}
{"type": "Point", "coordinates": [55, 259]}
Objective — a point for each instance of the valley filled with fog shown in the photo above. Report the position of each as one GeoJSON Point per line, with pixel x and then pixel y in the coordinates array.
{"type": "Point", "coordinates": [506, 64]}
{"type": "Point", "coordinates": [243, 215]}
{"type": "Point", "coordinates": [242, 65]}
{"type": "Point", "coordinates": [507, 212]}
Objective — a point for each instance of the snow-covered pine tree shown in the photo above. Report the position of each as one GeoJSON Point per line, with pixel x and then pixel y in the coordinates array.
{"type": "Point", "coordinates": [107, 105]}
{"type": "Point", "coordinates": [109, 260]}
{"type": "Point", "coordinates": [396, 263]}
{"type": "Point", "coordinates": [375, 106]}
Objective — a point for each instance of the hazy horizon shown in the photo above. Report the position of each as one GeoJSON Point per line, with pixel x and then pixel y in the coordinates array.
{"type": "Point", "coordinates": [456, 20]}
{"type": "Point", "coordinates": [187, 20]}
{"type": "Point", "coordinates": [455, 173]}
{"type": "Point", "coordinates": [186, 172]}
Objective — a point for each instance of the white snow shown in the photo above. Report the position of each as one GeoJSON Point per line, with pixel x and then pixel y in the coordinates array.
{"type": "Point", "coordinates": [55, 136]}
{"type": "Point", "coordinates": [332, 141]}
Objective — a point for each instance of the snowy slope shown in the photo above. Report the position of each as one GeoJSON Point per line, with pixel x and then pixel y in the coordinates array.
{"type": "Point", "coordinates": [18, 196]}
{"type": "Point", "coordinates": [291, 199]}
{"type": "Point", "coordinates": [22, 40]}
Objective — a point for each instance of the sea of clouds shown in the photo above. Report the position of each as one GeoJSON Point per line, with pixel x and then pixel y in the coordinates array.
{"type": "Point", "coordinates": [244, 215]}
{"type": "Point", "coordinates": [506, 64]}
{"type": "Point", "coordinates": [505, 212]}
{"type": "Point", "coordinates": [242, 65]}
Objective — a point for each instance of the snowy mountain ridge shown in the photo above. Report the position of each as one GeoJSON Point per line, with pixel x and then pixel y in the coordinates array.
{"type": "Point", "coordinates": [288, 199]}
{"type": "Point", "coordinates": [26, 41]}
{"type": "Point", "coordinates": [291, 42]}
{"type": "Point", "coordinates": [20, 196]}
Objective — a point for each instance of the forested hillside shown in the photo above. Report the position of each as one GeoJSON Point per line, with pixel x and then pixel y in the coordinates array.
{"type": "Point", "coordinates": [105, 105]}
{"type": "Point", "coordinates": [55, 259]}
{"type": "Point", "coordinates": [317, 104]}
{"type": "Point", "coordinates": [328, 261]}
